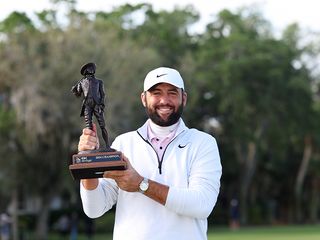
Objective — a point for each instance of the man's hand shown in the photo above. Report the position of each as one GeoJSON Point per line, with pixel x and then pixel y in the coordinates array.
{"type": "Point", "coordinates": [89, 139]}
{"type": "Point", "coordinates": [128, 180]}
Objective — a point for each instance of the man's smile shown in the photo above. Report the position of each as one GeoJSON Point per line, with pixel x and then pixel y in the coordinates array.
{"type": "Point", "coordinates": [164, 110]}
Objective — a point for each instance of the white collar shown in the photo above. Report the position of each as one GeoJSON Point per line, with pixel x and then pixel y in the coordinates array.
{"type": "Point", "coordinates": [161, 132]}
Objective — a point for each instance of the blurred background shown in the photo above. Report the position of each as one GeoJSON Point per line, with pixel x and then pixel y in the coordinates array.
{"type": "Point", "coordinates": [251, 84]}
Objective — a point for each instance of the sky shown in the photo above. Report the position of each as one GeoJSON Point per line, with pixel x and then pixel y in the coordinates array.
{"type": "Point", "coordinates": [280, 13]}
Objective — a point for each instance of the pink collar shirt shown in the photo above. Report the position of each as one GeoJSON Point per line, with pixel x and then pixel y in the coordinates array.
{"type": "Point", "coordinates": [160, 137]}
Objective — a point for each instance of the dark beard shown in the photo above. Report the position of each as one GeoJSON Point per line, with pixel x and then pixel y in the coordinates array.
{"type": "Point", "coordinates": [173, 118]}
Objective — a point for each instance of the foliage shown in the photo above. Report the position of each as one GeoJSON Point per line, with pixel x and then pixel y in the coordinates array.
{"type": "Point", "coordinates": [255, 93]}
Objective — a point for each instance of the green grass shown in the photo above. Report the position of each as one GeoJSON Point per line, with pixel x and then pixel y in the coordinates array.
{"type": "Point", "coordinates": [266, 233]}
{"type": "Point", "coordinates": [306, 232]}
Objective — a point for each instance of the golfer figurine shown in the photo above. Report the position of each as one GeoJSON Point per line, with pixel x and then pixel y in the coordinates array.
{"type": "Point", "coordinates": [93, 163]}
{"type": "Point", "coordinates": [93, 99]}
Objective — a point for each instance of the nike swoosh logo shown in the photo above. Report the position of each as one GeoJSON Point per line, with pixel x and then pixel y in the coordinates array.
{"type": "Point", "coordinates": [182, 146]}
{"type": "Point", "coordinates": [162, 75]}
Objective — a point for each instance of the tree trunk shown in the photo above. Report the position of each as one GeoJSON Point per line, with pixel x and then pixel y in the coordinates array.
{"type": "Point", "coordinates": [42, 221]}
{"type": "Point", "coordinates": [14, 213]}
{"type": "Point", "coordinates": [314, 202]}
{"type": "Point", "coordinates": [248, 161]}
{"type": "Point", "coordinates": [301, 177]}
{"type": "Point", "coordinates": [249, 166]}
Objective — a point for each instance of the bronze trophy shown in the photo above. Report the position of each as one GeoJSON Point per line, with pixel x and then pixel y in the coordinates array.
{"type": "Point", "coordinates": [93, 163]}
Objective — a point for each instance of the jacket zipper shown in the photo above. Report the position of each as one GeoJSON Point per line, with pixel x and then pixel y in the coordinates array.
{"type": "Point", "coordinates": [159, 161]}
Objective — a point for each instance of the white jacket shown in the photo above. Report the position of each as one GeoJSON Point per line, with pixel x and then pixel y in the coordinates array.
{"type": "Point", "coordinates": [190, 167]}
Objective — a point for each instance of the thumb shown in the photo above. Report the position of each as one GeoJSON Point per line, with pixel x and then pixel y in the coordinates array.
{"type": "Point", "coordinates": [94, 128]}
{"type": "Point", "coordinates": [127, 161]}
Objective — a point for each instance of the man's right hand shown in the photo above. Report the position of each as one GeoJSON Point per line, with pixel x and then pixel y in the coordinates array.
{"type": "Point", "coordinates": [89, 141]}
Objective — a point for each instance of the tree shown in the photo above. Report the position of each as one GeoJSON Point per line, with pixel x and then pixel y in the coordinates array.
{"type": "Point", "coordinates": [16, 22]}
{"type": "Point", "coordinates": [249, 76]}
{"type": "Point", "coordinates": [41, 67]}
{"type": "Point", "coordinates": [254, 92]}
{"type": "Point", "coordinates": [168, 33]}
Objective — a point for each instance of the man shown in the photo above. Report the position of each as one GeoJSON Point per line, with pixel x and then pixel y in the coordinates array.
{"type": "Point", "coordinates": [93, 98]}
{"type": "Point", "coordinates": [5, 222]}
{"type": "Point", "coordinates": [173, 177]}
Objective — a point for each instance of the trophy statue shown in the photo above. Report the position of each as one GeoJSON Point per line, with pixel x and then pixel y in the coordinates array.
{"type": "Point", "coordinates": [93, 163]}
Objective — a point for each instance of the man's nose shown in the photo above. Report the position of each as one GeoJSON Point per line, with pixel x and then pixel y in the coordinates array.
{"type": "Point", "coordinates": [164, 99]}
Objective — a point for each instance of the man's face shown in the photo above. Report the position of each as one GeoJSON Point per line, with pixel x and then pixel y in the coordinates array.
{"type": "Point", "coordinates": [164, 103]}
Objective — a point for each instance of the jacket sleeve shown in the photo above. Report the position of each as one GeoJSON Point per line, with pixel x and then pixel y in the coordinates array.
{"type": "Point", "coordinates": [199, 198]}
{"type": "Point", "coordinates": [98, 201]}
{"type": "Point", "coordinates": [79, 86]}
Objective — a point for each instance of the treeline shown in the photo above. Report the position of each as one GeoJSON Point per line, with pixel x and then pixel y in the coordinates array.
{"type": "Point", "coordinates": [258, 94]}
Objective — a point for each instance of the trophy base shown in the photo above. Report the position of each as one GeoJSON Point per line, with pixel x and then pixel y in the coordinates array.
{"type": "Point", "coordinates": [93, 164]}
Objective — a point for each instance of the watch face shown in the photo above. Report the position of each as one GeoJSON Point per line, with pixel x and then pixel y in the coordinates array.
{"type": "Point", "coordinates": [144, 186]}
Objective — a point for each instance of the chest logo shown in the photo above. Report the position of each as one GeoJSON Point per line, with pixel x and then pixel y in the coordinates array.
{"type": "Point", "coordinates": [182, 145]}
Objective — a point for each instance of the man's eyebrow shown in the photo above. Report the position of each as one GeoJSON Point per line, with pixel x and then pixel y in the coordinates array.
{"type": "Point", "coordinates": [174, 89]}
{"type": "Point", "coordinates": [154, 89]}
{"type": "Point", "coordinates": [171, 89]}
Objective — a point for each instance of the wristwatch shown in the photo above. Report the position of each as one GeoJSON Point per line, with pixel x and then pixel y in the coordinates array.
{"type": "Point", "coordinates": [144, 185]}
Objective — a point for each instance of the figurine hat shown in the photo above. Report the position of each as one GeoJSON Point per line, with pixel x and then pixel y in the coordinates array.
{"type": "Point", "coordinates": [88, 66]}
{"type": "Point", "coordinates": [163, 75]}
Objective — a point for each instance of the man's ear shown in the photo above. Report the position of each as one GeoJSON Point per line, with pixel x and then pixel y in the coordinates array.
{"type": "Point", "coordinates": [184, 98]}
{"type": "Point", "coordinates": [143, 99]}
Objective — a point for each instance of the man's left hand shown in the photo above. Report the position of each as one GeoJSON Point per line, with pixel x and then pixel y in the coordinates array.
{"type": "Point", "coordinates": [127, 180]}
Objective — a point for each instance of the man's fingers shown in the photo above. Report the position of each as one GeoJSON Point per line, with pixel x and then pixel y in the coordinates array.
{"type": "Point", "coordinates": [87, 131]}
{"type": "Point", "coordinates": [113, 174]}
{"type": "Point", "coordinates": [86, 147]}
{"type": "Point", "coordinates": [88, 140]}
{"type": "Point", "coordinates": [124, 158]}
